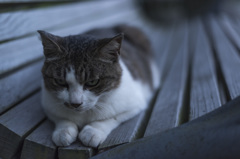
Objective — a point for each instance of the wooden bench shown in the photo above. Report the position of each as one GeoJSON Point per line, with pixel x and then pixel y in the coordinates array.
{"type": "Point", "coordinates": [198, 59]}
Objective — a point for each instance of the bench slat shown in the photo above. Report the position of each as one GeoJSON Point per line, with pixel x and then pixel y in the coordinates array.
{"type": "Point", "coordinates": [167, 55]}
{"type": "Point", "coordinates": [235, 22]}
{"type": "Point", "coordinates": [76, 150]}
{"type": "Point", "coordinates": [16, 59]}
{"type": "Point", "coordinates": [230, 29]}
{"type": "Point", "coordinates": [18, 53]}
{"type": "Point", "coordinates": [126, 132]}
{"type": "Point", "coordinates": [213, 136]}
{"type": "Point", "coordinates": [15, 23]}
{"type": "Point", "coordinates": [127, 16]}
{"type": "Point", "coordinates": [38, 144]}
{"type": "Point", "coordinates": [204, 94]}
{"type": "Point", "coordinates": [17, 123]}
{"type": "Point", "coordinates": [20, 84]}
{"type": "Point", "coordinates": [167, 112]}
{"type": "Point", "coordinates": [228, 57]}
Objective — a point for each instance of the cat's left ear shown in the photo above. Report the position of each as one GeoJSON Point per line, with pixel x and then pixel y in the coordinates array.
{"type": "Point", "coordinates": [111, 49]}
{"type": "Point", "coordinates": [51, 44]}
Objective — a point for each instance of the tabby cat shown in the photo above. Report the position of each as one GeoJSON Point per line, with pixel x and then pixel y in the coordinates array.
{"type": "Point", "coordinates": [95, 81]}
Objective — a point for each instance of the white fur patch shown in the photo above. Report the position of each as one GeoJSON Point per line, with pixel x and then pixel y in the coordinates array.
{"type": "Point", "coordinates": [91, 136]}
{"type": "Point", "coordinates": [65, 133]}
{"type": "Point", "coordinates": [75, 89]}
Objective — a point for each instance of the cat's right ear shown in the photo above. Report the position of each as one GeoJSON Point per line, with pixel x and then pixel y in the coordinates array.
{"type": "Point", "coordinates": [51, 44]}
{"type": "Point", "coordinates": [110, 49]}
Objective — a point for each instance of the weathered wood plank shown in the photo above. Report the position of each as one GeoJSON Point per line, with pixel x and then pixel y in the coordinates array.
{"type": "Point", "coordinates": [128, 16]}
{"type": "Point", "coordinates": [204, 91]}
{"type": "Point", "coordinates": [234, 21]}
{"type": "Point", "coordinates": [215, 135]}
{"type": "Point", "coordinates": [28, 54]}
{"type": "Point", "coordinates": [76, 150]}
{"type": "Point", "coordinates": [126, 132]}
{"type": "Point", "coordinates": [228, 57]}
{"type": "Point", "coordinates": [17, 123]}
{"type": "Point", "coordinates": [236, 25]}
{"type": "Point", "coordinates": [166, 54]}
{"type": "Point", "coordinates": [20, 84]}
{"type": "Point", "coordinates": [17, 53]}
{"type": "Point", "coordinates": [38, 144]}
{"type": "Point", "coordinates": [167, 112]}
{"type": "Point", "coordinates": [14, 24]}
{"type": "Point", "coordinates": [230, 28]}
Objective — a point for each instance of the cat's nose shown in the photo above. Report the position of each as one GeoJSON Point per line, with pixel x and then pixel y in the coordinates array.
{"type": "Point", "coordinates": [76, 105]}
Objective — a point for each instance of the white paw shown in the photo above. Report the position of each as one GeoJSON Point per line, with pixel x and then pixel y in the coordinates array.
{"type": "Point", "coordinates": [91, 136]}
{"type": "Point", "coordinates": [64, 137]}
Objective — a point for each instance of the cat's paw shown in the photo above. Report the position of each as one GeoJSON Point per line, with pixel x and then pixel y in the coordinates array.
{"type": "Point", "coordinates": [91, 136]}
{"type": "Point", "coordinates": [64, 137]}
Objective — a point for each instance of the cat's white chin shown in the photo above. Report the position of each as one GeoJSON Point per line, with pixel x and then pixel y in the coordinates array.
{"type": "Point", "coordinates": [82, 110]}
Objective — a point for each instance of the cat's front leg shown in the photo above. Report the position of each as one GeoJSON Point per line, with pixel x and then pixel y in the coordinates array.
{"type": "Point", "coordinates": [65, 133]}
{"type": "Point", "coordinates": [95, 133]}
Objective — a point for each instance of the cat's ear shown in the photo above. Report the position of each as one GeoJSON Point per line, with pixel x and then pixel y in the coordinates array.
{"type": "Point", "coordinates": [110, 50]}
{"type": "Point", "coordinates": [51, 44]}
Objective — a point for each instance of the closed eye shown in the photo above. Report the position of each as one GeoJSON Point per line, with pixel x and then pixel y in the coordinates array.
{"type": "Point", "coordinates": [61, 82]}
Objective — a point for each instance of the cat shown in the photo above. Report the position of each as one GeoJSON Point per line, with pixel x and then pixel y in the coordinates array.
{"type": "Point", "coordinates": [95, 81]}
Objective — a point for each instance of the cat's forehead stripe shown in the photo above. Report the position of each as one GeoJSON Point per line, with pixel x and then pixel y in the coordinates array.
{"type": "Point", "coordinates": [70, 76]}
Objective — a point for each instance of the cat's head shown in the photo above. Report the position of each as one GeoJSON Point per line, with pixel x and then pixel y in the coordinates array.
{"type": "Point", "coordinates": [79, 69]}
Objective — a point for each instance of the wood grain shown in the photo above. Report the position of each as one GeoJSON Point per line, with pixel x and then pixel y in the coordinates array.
{"type": "Point", "coordinates": [126, 132]}
{"type": "Point", "coordinates": [17, 123]}
{"type": "Point", "coordinates": [76, 150]}
{"type": "Point", "coordinates": [228, 57]}
{"type": "Point", "coordinates": [234, 21]}
{"type": "Point", "coordinates": [20, 52]}
{"type": "Point", "coordinates": [19, 85]}
{"type": "Point", "coordinates": [38, 144]}
{"type": "Point", "coordinates": [231, 29]}
{"type": "Point", "coordinates": [215, 136]}
{"type": "Point", "coordinates": [14, 24]}
{"type": "Point", "coordinates": [165, 52]}
{"type": "Point", "coordinates": [167, 112]}
{"type": "Point", "coordinates": [128, 16]}
{"type": "Point", "coordinates": [204, 94]}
